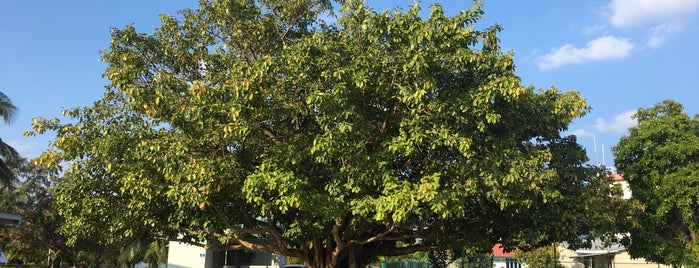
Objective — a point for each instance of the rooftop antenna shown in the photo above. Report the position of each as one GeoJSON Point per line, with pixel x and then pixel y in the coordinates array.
{"type": "Point", "coordinates": [594, 141]}
{"type": "Point", "coordinates": [604, 162]}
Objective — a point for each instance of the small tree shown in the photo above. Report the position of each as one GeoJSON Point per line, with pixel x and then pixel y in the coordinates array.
{"type": "Point", "coordinates": [540, 257]}
{"type": "Point", "coordinates": [37, 240]}
{"type": "Point", "coordinates": [660, 160]}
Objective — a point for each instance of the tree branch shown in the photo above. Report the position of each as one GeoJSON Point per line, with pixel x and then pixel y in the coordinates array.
{"type": "Point", "coordinates": [274, 232]}
{"type": "Point", "coordinates": [378, 237]}
{"type": "Point", "coordinates": [339, 243]}
{"type": "Point", "coordinates": [270, 134]}
{"type": "Point", "coordinates": [397, 251]}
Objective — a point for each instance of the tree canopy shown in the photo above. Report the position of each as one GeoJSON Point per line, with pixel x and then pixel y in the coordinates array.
{"type": "Point", "coordinates": [542, 257]}
{"type": "Point", "coordinates": [329, 132]}
{"type": "Point", "coordinates": [31, 197]}
{"type": "Point", "coordinates": [660, 160]}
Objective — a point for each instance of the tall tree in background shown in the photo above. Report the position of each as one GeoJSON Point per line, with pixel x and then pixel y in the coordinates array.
{"type": "Point", "coordinates": [660, 160]}
{"type": "Point", "coordinates": [37, 237]}
{"type": "Point", "coordinates": [8, 155]}
{"type": "Point", "coordinates": [31, 199]}
{"type": "Point", "coordinates": [257, 125]}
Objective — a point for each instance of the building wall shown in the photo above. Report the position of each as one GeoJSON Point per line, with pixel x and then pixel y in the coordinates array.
{"type": "Point", "coordinates": [499, 262]}
{"type": "Point", "coordinates": [623, 260]}
{"type": "Point", "coordinates": [618, 260]}
{"type": "Point", "coordinates": [245, 259]}
{"type": "Point", "coordinates": [566, 258]}
{"type": "Point", "coordinates": [625, 187]}
{"type": "Point", "coordinates": [182, 255]}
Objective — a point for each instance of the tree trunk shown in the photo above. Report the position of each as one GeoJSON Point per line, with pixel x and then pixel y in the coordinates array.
{"type": "Point", "coordinates": [355, 256]}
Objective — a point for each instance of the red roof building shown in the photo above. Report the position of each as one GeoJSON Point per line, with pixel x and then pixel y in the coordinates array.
{"type": "Point", "coordinates": [499, 251]}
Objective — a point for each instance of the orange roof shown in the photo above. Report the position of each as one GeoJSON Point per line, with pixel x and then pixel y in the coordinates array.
{"type": "Point", "coordinates": [499, 251]}
{"type": "Point", "coordinates": [617, 176]}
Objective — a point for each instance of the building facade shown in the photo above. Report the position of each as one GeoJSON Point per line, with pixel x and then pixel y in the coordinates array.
{"type": "Point", "coordinates": [181, 255]}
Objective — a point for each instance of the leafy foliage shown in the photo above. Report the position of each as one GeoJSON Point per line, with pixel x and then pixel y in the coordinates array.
{"type": "Point", "coordinates": [156, 253]}
{"type": "Point", "coordinates": [659, 158]}
{"type": "Point", "coordinates": [7, 109]}
{"type": "Point", "coordinates": [541, 257]}
{"type": "Point", "coordinates": [31, 199]}
{"type": "Point", "coordinates": [440, 259]}
{"type": "Point", "coordinates": [258, 125]}
{"type": "Point", "coordinates": [37, 237]}
{"type": "Point", "coordinates": [9, 157]}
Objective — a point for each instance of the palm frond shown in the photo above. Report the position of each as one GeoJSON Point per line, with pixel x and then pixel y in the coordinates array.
{"type": "Point", "coordinates": [132, 253]}
{"type": "Point", "coordinates": [7, 109]}
{"type": "Point", "coordinates": [9, 158]}
{"type": "Point", "coordinates": [156, 253]}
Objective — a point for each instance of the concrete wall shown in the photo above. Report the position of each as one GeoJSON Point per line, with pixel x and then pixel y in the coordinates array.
{"type": "Point", "coordinates": [618, 260]}
{"type": "Point", "coordinates": [566, 257]}
{"type": "Point", "coordinates": [182, 255]}
{"type": "Point", "coordinates": [623, 260]}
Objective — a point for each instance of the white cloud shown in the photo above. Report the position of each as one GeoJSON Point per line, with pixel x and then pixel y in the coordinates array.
{"type": "Point", "coordinates": [659, 34]}
{"type": "Point", "coordinates": [26, 150]}
{"type": "Point", "coordinates": [531, 55]}
{"type": "Point", "coordinates": [606, 47]}
{"type": "Point", "coordinates": [594, 29]}
{"type": "Point", "coordinates": [582, 133]}
{"type": "Point", "coordinates": [619, 124]}
{"type": "Point", "coordinates": [634, 12]}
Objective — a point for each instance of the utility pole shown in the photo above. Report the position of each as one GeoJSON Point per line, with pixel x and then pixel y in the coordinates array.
{"type": "Point", "coordinates": [553, 261]}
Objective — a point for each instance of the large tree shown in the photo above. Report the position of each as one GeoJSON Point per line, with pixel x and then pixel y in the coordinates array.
{"type": "Point", "coordinates": [9, 157]}
{"type": "Point", "coordinates": [660, 159]}
{"type": "Point", "coordinates": [281, 127]}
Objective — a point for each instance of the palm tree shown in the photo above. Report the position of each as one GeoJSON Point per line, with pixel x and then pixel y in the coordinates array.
{"type": "Point", "coordinates": [131, 254]}
{"type": "Point", "coordinates": [8, 155]}
{"type": "Point", "coordinates": [156, 253]}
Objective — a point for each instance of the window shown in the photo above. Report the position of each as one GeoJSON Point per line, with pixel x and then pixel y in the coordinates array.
{"type": "Point", "coordinates": [590, 262]}
{"type": "Point", "coordinates": [512, 263]}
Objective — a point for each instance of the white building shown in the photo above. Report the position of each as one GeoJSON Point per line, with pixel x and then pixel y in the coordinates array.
{"type": "Point", "coordinates": [181, 255]}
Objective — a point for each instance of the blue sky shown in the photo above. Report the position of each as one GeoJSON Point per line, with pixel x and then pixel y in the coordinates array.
{"type": "Point", "coordinates": [620, 54]}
